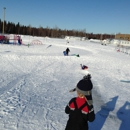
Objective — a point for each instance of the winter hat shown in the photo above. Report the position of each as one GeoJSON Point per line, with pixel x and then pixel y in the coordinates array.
{"type": "Point", "coordinates": [85, 85]}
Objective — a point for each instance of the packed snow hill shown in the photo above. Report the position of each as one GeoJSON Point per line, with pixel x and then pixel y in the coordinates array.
{"type": "Point", "coordinates": [36, 77]}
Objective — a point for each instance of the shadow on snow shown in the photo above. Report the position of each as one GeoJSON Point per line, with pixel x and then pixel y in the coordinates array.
{"type": "Point", "coordinates": [123, 114]}
{"type": "Point", "coordinates": [102, 115]}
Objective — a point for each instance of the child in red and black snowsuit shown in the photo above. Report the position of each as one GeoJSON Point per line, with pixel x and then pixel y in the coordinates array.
{"type": "Point", "coordinates": [80, 109]}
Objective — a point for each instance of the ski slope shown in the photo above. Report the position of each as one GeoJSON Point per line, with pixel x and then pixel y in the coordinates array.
{"type": "Point", "coordinates": [35, 83]}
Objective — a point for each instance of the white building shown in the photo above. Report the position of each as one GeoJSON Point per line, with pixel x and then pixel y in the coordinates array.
{"type": "Point", "coordinates": [75, 38]}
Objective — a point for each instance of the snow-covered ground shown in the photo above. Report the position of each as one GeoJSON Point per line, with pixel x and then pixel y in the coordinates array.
{"type": "Point", "coordinates": [35, 83]}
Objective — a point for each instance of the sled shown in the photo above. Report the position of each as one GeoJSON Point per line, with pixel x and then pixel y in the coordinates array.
{"type": "Point", "coordinates": [64, 52]}
{"type": "Point", "coordinates": [84, 67]}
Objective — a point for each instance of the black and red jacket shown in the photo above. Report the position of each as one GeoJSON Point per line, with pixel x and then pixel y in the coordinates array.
{"type": "Point", "coordinates": [87, 114]}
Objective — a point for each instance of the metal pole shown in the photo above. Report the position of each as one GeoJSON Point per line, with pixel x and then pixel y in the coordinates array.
{"type": "Point", "coordinates": [3, 20]}
{"type": "Point", "coordinates": [115, 35]}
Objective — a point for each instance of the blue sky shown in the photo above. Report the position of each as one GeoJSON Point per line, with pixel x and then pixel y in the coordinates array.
{"type": "Point", "coordinates": [95, 16]}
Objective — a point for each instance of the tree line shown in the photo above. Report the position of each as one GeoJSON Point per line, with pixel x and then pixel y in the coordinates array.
{"type": "Point", "coordinates": [12, 28]}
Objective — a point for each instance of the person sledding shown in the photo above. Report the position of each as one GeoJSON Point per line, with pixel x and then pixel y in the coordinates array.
{"type": "Point", "coordinates": [67, 51]}
{"type": "Point", "coordinates": [84, 67]}
{"type": "Point", "coordinates": [80, 108]}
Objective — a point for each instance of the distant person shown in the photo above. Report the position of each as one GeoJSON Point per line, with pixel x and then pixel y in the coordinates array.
{"type": "Point", "coordinates": [67, 51]}
{"type": "Point", "coordinates": [19, 40]}
{"type": "Point", "coordinates": [80, 109]}
{"type": "Point", "coordinates": [28, 44]}
{"type": "Point", "coordinates": [83, 67]}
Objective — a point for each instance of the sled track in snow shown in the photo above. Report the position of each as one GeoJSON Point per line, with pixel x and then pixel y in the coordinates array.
{"type": "Point", "coordinates": [10, 85]}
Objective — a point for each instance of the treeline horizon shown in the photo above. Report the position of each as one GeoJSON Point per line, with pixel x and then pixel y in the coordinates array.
{"type": "Point", "coordinates": [12, 28]}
